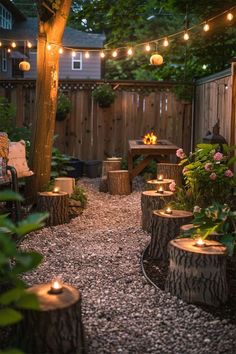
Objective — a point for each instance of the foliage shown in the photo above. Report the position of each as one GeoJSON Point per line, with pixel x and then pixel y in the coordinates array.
{"type": "Point", "coordinates": [207, 174]}
{"type": "Point", "coordinates": [217, 218]}
{"type": "Point", "coordinates": [15, 262]}
{"type": "Point", "coordinates": [59, 164]}
{"type": "Point", "coordinates": [104, 95]}
{"type": "Point", "coordinates": [63, 106]}
{"type": "Point", "coordinates": [79, 195]}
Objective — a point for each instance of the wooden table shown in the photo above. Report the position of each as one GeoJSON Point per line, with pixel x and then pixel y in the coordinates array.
{"type": "Point", "coordinates": [160, 152]}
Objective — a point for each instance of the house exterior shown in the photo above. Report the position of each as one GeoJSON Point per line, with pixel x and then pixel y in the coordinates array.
{"type": "Point", "coordinates": [14, 26]}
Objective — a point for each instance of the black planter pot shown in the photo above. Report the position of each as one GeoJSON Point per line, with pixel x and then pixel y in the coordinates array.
{"type": "Point", "coordinates": [60, 116]}
{"type": "Point", "coordinates": [78, 168]}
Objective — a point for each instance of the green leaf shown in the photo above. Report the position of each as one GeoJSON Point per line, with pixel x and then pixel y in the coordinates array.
{"type": "Point", "coordinates": [28, 301]}
{"type": "Point", "coordinates": [231, 161]}
{"type": "Point", "coordinates": [11, 295]}
{"type": "Point", "coordinates": [9, 316]}
{"type": "Point", "coordinates": [11, 351]}
{"type": "Point", "coordinates": [32, 223]}
{"type": "Point", "coordinates": [228, 241]}
{"type": "Point", "coordinates": [26, 261]}
{"type": "Point", "coordinates": [9, 195]}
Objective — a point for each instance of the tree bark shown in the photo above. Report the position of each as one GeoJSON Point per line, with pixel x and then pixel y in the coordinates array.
{"type": "Point", "coordinates": [172, 171]}
{"type": "Point", "coordinates": [119, 182]}
{"type": "Point", "coordinates": [164, 228]}
{"type": "Point", "coordinates": [50, 32]}
{"type": "Point", "coordinates": [56, 204]}
{"type": "Point", "coordinates": [197, 274]}
{"type": "Point", "coordinates": [150, 201]}
{"type": "Point", "coordinates": [56, 327]}
{"type": "Point", "coordinates": [110, 165]}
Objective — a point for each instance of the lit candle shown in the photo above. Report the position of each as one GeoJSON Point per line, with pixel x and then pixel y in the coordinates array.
{"type": "Point", "coordinates": [168, 210]}
{"type": "Point", "coordinates": [56, 286]}
{"type": "Point", "coordinates": [160, 190]}
{"type": "Point", "coordinates": [160, 177]}
{"type": "Point", "coordinates": [200, 242]}
{"type": "Point", "coordinates": [56, 190]}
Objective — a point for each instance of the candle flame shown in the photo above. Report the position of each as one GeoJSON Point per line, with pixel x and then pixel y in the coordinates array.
{"type": "Point", "coordinates": [160, 177]}
{"type": "Point", "coordinates": [200, 242]}
{"type": "Point", "coordinates": [56, 286]}
{"type": "Point", "coordinates": [56, 190]}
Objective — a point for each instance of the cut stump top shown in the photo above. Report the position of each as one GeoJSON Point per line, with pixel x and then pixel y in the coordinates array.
{"type": "Point", "coordinates": [49, 302]}
{"type": "Point", "coordinates": [175, 214]}
{"type": "Point", "coordinates": [154, 193]}
{"type": "Point", "coordinates": [52, 194]}
{"type": "Point", "coordinates": [157, 182]}
{"type": "Point", "coordinates": [188, 244]}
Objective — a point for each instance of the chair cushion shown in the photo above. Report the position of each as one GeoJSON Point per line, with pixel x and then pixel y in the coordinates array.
{"type": "Point", "coordinates": [17, 159]}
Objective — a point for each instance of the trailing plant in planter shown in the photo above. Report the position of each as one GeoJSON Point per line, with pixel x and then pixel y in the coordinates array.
{"type": "Point", "coordinates": [63, 106]}
{"type": "Point", "coordinates": [104, 95]}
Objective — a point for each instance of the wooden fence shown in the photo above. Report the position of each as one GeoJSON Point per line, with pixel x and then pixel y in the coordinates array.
{"type": "Point", "coordinates": [91, 132]}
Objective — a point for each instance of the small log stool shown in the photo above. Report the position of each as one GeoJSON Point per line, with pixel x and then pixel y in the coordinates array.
{"type": "Point", "coordinates": [166, 227]}
{"type": "Point", "coordinates": [119, 182]}
{"type": "Point", "coordinates": [111, 164]}
{"type": "Point", "coordinates": [197, 274]}
{"type": "Point", "coordinates": [154, 184]}
{"type": "Point", "coordinates": [185, 228]}
{"type": "Point", "coordinates": [57, 206]}
{"type": "Point", "coordinates": [56, 327]}
{"type": "Point", "coordinates": [172, 171]}
{"type": "Point", "coordinates": [65, 184]}
{"type": "Point", "coordinates": [150, 201]}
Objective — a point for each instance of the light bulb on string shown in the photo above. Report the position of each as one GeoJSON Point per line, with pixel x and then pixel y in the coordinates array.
{"type": "Point", "coordinates": [49, 47]}
{"type": "Point", "coordinates": [206, 27]}
{"type": "Point", "coordinates": [29, 44]}
{"type": "Point", "coordinates": [147, 47]}
{"type": "Point", "coordinates": [130, 51]}
{"type": "Point", "coordinates": [9, 50]}
{"type": "Point", "coordinates": [186, 36]}
{"type": "Point", "coordinates": [114, 53]}
{"type": "Point", "coordinates": [13, 44]}
{"type": "Point", "coordinates": [165, 42]}
{"type": "Point", "coordinates": [102, 55]}
{"type": "Point", "coordinates": [87, 55]}
{"type": "Point", "coordinates": [0, 44]}
{"type": "Point", "coordinates": [229, 16]}
{"type": "Point", "coordinates": [60, 50]}
{"type": "Point", "coordinates": [73, 54]}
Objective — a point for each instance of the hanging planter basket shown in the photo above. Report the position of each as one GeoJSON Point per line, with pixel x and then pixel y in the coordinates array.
{"type": "Point", "coordinates": [104, 95]}
{"type": "Point", "coordinates": [63, 107]}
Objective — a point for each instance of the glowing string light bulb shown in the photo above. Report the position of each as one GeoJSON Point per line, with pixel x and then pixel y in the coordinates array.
{"type": "Point", "coordinates": [13, 44]}
{"type": "Point", "coordinates": [229, 16]}
{"type": "Point", "coordinates": [60, 50]}
{"type": "Point", "coordinates": [8, 50]}
{"type": "Point", "coordinates": [114, 54]}
{"type": "Point", "coordinates": [130, 51]}
{"type": "Point", "coordinates": [186, 36]}
{"type": "Point", "coordinates": [73, 54]}
{"type": "Point", "coordinates": [29, 44]}
{"type": "Point", "coordinates": [206, 27]}
{"type": "Point", "coordinates": [102, 55]}
{"type": "Point", "coordinates": [87, 55]}
{"type": "Point", "coordinates": [147, 47]}
{"type": "Point", "coordinates": [0, 44]}
{"type": "Point", "coordinates": [165, 42]}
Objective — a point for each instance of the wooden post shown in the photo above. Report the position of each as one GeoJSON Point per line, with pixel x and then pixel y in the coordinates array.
{"type": "Point", "coordinates": [111, 164]}
{"type": "Point", "coordinates": [172, 171]}
{"type": "Point", "coordinates": [166, 227]}
{"type": "Point", "coordinates": [65, 184]}
{"type": "Point", "coordinates": [197, 274]}
{"type": "Point", "coordinates": [119, 182]}
{"type": "Point", "coordinates": [57, 206]}
{"type": "Point", "coordinates": [56, 327]}
{"type": "Point", "coordinates": [150, 201]}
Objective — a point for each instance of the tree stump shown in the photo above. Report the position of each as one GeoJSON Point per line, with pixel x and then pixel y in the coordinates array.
{"type": "Point", "coordinates": [172, 171]}
{"type": "Point", "coordinates": [119, 182]}
{"type": "Point", "coordinates": [113, 164]}
{"type": "Point", "coordinates": [65, 184]}
{"type": "Point", "coordinates": [185, 228]}
{"type": "Point", "coordinates": [150, 201]}
{"type": "Point", "coordinates": [164, 228]}
{"type": "Point", "coordinates": [56, 327]}
{"type": "Point", "coordinates": [197, 274]}
{"type": "Point", "coordinates": [154, 184]}
{"type": "Point", "coordinates": [57, 206]}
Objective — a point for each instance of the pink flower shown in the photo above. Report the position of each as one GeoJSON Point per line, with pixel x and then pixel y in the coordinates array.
{"type": "Point", "coordinates": [213, 176]}
{"type": "Point", "coordinates": [208, 166]}
{"type": "Point", "coordinates": [218, 156]}
{"type": "Point", "coordinates": [172, 186]}
{"type": "Point", "coordinates": [180, 153]}
{"type": "Point", "coordinates": [229, 173]}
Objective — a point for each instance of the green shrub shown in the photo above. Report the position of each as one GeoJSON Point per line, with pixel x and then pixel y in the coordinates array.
{"type": "Point", "coordinates": [104, 95]}
{"type": "Point", "coordinates": [79, 195]}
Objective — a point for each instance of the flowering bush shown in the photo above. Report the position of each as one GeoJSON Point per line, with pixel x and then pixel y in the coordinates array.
{"type": "Point", "coordinates": [207, 174]}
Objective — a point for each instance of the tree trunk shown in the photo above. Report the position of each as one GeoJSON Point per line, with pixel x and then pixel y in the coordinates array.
{"type": "Point", "coordinates": [110, 165]}
{"type": "Point", "coordinates": [164, 228]}
{"type": "Point", "coordinates": [197, 274]}
{"type": "Point", "coordinates": [119, 182]}
{"type": "Point", "coordinates": [50, 32]}
{"type": "Point", "coordinates": [65, 184]}
{"type": "Point", "coordinates": [150, 201]}
{"type": "Point", "coordinates": [154, 184]}
{"type": "Point", "coordinates": [172, 171]}
{"type": "Point", "coordinates": [56, 204]}
{"type": "Point", "coordinates": [56, 327]}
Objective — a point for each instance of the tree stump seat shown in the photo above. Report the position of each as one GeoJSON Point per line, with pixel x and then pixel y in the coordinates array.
{"type": "Point", "coordinates": [56, 327]}
{"type": "Point", "coordinates": [197, 274]}
{"type": "Point", "coordinates": [150, 201]}
{"type": "Point", "coordinates": [111, 164]}
{"type": "Point", "coordinates": [119, 182]}
{"type": "Point", "coordinates": [164, 228]}
{"type": "Point", "coordinates": [155, 184]}
{"type": "Point", "coordinates": [56, 204]}
{"type": "Point", "coordinates": [172, 171]}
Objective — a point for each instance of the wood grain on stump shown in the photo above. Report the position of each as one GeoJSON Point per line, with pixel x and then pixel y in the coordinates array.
{"type": "Point", "coordinates": [197, 274]}
{"type": "Point", "coordinates": [119, 182]}
{"type": "Point", "coordinates": [150, 201]}
{"type": "Point", "coordinates": [164, 228]}
{"type": "Point", "coordinates": [56, 327]}
{"type": "Point", "coordinates": [56, 204]}
{"type": "Point", "coordinates": [154, 184]}
{"type": "Point", "coordinates": [172, 171]}
{"type": "Point", "coordinates": [110, 165]}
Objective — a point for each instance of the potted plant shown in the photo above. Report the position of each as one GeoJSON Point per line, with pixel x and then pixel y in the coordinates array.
{"type": "Point", "coordinates": [104, 95]}
{"type": "Point", "coordinates": [63, 106]}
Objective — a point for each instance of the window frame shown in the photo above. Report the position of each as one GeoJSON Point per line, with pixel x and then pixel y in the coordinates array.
{"type": "Point", "coordinates": [77, 59]}
{"type": "Point", "coordinates": [5, 18]}
{"type": "Point", "coordinates": [4, 63]}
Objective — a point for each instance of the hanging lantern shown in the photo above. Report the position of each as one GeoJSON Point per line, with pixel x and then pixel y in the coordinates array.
{"type": "Point", "coordinates": [24, 65]}
{"type": "Point", "coordinates": [156, 59]}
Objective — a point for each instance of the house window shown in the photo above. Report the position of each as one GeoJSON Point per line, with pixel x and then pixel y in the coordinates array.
{"type": "Point", "coordinates": [4, 59]}
{"type": "Point", "coordinates": [5, 18]}
{"type": "Point", "coordinates": [77, 61]}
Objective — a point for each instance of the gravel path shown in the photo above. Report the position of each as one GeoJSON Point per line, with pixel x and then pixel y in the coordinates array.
{"type": "Point", "coordinates": [99, 253]}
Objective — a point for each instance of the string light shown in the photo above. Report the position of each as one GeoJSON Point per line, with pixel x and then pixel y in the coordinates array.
{"type": "Point", "coordinates": [8, 50]}
{"type": "Point", "coordinates": [102, 55]}
{"type": "Point", "coordinates": [130, 51]}
{"type": "Point", "coordinates": [147, 47]}
{"type": "Point", "coordinates": [166, 42]}
{"type": "Point", "coordinates": [186, 36]}
{"type": "Point", "coordinates": [0, 44]}
{"type": "Point", "coordinates": [229, 16]}
{"type": "Point", "coordinates": [13, 44]}
{"type": "Point", "coordinates": [114, 54]}
{"type": "Point", "coordinates": [73, 54]}
{"type": "Point", "coordinates": [206, 27]}
{"type": "Point", "coordinates": [87, 55]}
{"type": "Point", "coordinates": [29, 44]}
{"type": "Point", "coordinates": [60, 50]}
{"type": "Point", "coordinates": [49, 47]}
